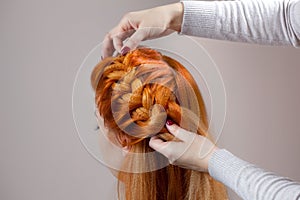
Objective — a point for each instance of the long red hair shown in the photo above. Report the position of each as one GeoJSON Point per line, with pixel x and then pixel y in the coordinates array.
{"type": "Point", "coordinates": [135, 94]}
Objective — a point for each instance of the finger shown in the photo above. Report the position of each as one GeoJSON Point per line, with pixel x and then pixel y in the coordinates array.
{"type": "Point", "coordinates": [159, 145]}
{"type": "Point", "coordinates": [178, 132]}
{"type": "Point", "coordinates": [136, 38]}
{"type": "Point", "coordinates": [107, 46]}
{"type": "Point", "coordinates": [156, 143]}
{"type": "Point", "coordinates": [119, 38]}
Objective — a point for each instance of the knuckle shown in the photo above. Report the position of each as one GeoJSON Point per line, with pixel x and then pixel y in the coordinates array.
{"type": "Point", "coordinates": [127, 16]}
{"type": "Point", "coordinates": [172, 161]}
{"type": "Point", "coordinates": [108, 36]}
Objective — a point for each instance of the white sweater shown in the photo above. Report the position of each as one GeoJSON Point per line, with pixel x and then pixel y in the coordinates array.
{"type": "Point", "coordinates": [249, 181]}
{"type": "Point", "coordinates": [272, 22]}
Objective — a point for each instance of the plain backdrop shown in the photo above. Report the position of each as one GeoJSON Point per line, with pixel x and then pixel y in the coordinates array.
{"type": "Point", "coordinates": [43, 43]}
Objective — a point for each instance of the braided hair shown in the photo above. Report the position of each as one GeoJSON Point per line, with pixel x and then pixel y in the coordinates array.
{"type": "Point", "coordinates": [135, 94]}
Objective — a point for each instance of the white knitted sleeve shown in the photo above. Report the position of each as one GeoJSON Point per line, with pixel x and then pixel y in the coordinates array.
{"type": "Point", "coordinates": [272, 22]}
{"type": "Point", "coordinates": [249, 181]}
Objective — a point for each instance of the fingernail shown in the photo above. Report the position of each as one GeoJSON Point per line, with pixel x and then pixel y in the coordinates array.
{"type": "Point", "coordinates": [125, 50]}
{"type": "Point", "coordinates": [170, 122]}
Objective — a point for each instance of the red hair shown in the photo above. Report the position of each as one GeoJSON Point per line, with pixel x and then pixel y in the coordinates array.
{"type": "Point", "coordinates": [135, 94]}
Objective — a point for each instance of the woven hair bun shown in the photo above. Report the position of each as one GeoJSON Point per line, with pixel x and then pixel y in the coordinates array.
{"type": "Point", "coordinates": [136, 93]}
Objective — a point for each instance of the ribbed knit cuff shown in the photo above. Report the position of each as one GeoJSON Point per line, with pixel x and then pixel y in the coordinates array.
{"type": "Point", "coordinates": [295, 21]}
{"type": "Point", "coordinates": [225, 167]}
{"type": "Point", "coordinates": [199, 18]}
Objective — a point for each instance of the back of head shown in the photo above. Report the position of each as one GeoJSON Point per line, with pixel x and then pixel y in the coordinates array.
{"type": "Point", "coordinates": [135, 94]}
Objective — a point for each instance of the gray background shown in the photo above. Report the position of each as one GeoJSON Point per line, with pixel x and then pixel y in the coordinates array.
{"type": "Point", "coordinates": [42, 46]}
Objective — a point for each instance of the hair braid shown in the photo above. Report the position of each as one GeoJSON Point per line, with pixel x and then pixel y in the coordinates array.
{"type": "Point", "coordinates": [135, 94]}
{"type": "Point", "coordinates": [140, 87]}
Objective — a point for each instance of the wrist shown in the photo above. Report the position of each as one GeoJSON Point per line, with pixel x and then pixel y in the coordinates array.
{"type": "Point", "coordinates": [205, 153]}
{"type": "Point", "coordinates": [211, 158]}
{"type": "Point", "coordinates": [176, 13]}
{"type": "Point", "coordinates": [208, 157]}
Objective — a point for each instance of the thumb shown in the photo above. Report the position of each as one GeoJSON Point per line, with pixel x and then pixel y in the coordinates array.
{"type": "Point", "coordinates": [177, 131]}
{"type": "Point", "coordinates": [134, 41]}
{"type": "Point", "coordinates": [159, 145]}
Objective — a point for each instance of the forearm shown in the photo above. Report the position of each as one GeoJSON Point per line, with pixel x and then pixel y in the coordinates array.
{"type": "Point", "coordinates": [249, 181]}
{"type": "Point", "coordinates": [273, 22]}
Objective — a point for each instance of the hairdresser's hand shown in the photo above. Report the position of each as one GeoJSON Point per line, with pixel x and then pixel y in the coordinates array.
{"type": "Point", "coordinates": [193, 152]}
{"type": "Point", "coordinates": [142, 25]}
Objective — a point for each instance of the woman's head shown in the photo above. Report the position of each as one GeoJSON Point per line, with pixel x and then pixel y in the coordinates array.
{"type": "Point", "coordinates": [135, 95]}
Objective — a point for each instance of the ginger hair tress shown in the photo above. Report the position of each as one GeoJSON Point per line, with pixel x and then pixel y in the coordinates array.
{"type": "Point", "coordinates": [135, 95]}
